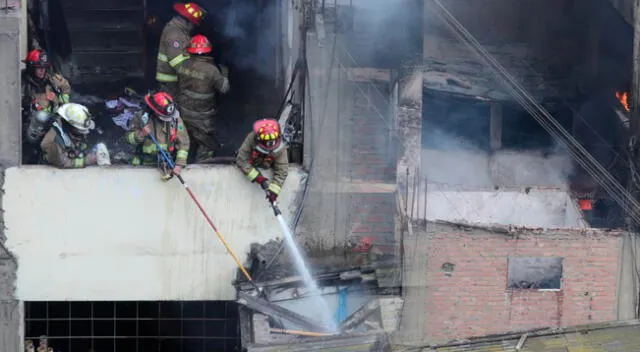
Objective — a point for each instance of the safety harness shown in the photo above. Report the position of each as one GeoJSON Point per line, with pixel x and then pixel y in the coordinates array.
{"type": "Point", "coordinates": [73, 151]}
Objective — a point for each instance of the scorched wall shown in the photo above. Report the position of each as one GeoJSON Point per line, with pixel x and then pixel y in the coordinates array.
{"type": "Point", "coordinates": [463, 292]}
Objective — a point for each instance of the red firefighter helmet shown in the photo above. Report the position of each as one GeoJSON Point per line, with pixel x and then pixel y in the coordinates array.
{"type": "Point", "coordinates": [162, 105]}
{"type": "Point", "coordinates": [268, 134]}
{"type": "Point", "coordinates": [37, 58]}
{"type": "Point", "coordinates": [191, 11]}
{"type": "Point", "coordinates": [199, 44]}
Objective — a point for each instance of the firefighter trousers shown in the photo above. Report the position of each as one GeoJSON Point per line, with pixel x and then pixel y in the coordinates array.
{"type": "Point", "coordinates": [202, 133]}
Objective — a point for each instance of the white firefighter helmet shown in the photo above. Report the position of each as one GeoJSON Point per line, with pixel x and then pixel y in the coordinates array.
{"type": "Point", "coordinates": [78, 116]}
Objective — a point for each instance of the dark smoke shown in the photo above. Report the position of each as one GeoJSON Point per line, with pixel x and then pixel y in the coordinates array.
{"type": "Point", "coordinates": [246, 34]}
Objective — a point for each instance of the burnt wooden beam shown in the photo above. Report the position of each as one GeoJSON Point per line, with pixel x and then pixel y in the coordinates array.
{"type": "Point", "coordinates": [360, 316]}
{"type": "Point", "coordinates": [265, 307]}
{"type": "Point", "coordinates": [298, 280]}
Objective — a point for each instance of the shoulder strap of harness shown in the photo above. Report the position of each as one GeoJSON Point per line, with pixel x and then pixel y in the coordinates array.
{"type": "Point", "coordinates": [64, 138]}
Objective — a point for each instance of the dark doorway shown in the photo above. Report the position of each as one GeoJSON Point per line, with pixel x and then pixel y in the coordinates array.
{"type": "Point", "coordinates": [113, 44]}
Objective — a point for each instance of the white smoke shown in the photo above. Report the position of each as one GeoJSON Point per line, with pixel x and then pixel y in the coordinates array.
{"type": "Point", "coordinates": [253, 30]}
{"type": "Point", "coordinates": [458, 163]}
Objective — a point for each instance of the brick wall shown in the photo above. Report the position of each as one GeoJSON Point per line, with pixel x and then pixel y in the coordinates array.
{"type": "Point", "coordinates": [474, 299]}
{"type": "Point", "coordinates": [372, 161]}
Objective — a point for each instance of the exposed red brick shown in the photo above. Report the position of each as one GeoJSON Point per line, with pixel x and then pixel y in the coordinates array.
{"type": "Point", "coordinates": [474, 300]}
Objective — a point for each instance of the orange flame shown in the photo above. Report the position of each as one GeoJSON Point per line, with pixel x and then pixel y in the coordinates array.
{"type": "Point", "coordinates": [623, 97]}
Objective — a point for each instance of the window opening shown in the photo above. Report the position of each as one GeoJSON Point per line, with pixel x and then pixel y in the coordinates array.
{"type": "Point", "coordinates": [542, 273]}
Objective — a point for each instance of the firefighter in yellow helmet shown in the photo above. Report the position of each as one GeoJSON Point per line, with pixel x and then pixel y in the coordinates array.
{"type": "Point", "coordinates": [263, 148]}
{"type": "Point", "coordinates": [65, 144]}
{"type": "Point", "coordinates": [173, 42]}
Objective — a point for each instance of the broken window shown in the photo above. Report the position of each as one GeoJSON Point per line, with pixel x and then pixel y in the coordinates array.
{"type": "Point", "coordinates": [541, 273]}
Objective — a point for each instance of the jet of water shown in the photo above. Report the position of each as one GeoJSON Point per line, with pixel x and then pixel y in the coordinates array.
{"type": "Point", "coordinates": [309, 282]}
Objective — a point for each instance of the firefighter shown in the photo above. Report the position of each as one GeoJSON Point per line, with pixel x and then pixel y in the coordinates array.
{"type": "Point", "coordinates": [42, 91]}
{"type": "Point", "coordinates": [263, 148]}
{"type": "Point", "coordinates": [199, 80]}
{"type": "Point", "coordinates": [173, 41]}
{"type": "Point", "coordinates": [162, 119]}
{"type": "Point", "coordinates": [65, 144]}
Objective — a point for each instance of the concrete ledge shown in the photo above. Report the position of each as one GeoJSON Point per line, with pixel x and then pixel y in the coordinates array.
{"type": "Point", "coordinates": [124, 234]}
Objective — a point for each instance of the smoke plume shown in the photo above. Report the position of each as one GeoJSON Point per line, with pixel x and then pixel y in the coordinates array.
{"type": "Point", "coordinates": [457, 162]}
{"type": "Point", "coordinates": [249, 30]}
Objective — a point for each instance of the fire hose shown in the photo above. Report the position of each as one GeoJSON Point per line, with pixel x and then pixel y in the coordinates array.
{"type": "Point", "coordinates": [171, 165]}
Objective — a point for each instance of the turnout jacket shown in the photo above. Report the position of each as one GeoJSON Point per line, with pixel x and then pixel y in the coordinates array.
{"type": "Point", "coordinates": [249, 159]}
{"type": "Point", "coordinates": [172, 137]}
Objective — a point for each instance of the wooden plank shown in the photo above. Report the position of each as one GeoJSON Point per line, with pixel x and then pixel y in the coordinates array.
{"type": "Point", "coordinates": [359, 316]}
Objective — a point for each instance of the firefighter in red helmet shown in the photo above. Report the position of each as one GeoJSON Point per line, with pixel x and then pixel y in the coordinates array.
{"type": "Point", "coordinates": [199, 81]}
{"type": "Point", "coordinates": [263, 148]}
{"type": "Point", "coordinates": [43, 90]}
{"type": "Point", "coordinates": [42, 93]}
{"type": "Point", "coordinates": [173, 42]}
{"type": "Point", "coordinates": [162, 119]}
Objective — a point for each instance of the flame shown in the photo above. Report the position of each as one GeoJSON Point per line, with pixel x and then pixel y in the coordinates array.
{"type": "Point", "coordinates": [623, 97]}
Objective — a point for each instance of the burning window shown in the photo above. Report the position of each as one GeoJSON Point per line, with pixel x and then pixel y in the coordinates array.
{"type": "Point", "coordinates": [540, 273]}
{"type": "Point", "coordinates": [623, 98]}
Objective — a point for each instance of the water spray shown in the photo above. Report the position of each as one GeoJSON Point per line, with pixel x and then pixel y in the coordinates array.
{"type": "Point", "coordinates": [300, 264]}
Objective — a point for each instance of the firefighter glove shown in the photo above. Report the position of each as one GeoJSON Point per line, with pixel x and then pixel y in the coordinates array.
{"type": "Point", "coordinates": [262, 181]}
{"type": "Point", "coordinates": [272, 197]}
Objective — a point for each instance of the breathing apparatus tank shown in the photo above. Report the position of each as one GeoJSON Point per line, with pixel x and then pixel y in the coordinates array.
{"type": "Point", "coordinates": [39, 124]}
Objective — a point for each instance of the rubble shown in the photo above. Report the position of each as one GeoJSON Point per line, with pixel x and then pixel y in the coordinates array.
{"type": "Point", "coordinates": [270, 261]}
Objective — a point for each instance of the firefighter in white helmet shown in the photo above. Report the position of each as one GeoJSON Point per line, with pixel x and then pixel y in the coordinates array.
{"type": "Point", "coordinates": [65, 144]}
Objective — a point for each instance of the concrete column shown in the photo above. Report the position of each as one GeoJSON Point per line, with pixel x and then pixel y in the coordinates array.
{"type": "Point", "coordinates": [409, 129]}
{"type": "Point", "coordinates": [11, 310]}
{"type": "Point", "coordinates": [628, 283]}
{"type": "Point", "coordinates": [261, 332]}
{"type": "Point", "coordinates": [10, 118]}
{"type": "Point", "coordinates": [496, 126]}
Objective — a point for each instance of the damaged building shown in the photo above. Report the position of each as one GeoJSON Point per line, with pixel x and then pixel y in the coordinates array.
{"type": "Point", "coordinates": [433, 211]}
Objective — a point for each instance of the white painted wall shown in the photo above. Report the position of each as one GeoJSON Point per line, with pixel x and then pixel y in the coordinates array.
{"type": "Point", "coordinates": [123, 234]}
